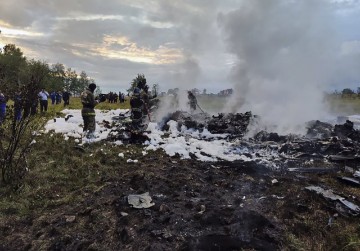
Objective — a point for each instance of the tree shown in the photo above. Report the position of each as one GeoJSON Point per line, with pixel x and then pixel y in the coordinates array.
{"type": "Point", "coordinates": [71, 81]}
{"type": "Point", "coordinates": [17, 134]}
{"type": "Point", "coordinates": [139, 82]}
{"type": "Point", "coordinates": [347, 91]}
{"type": "Point", "coordinates": [204, 92]}
{"type": "Point", "coordinates": [57, 82]}
{"type": "Point", "coordinates": [12, 61]}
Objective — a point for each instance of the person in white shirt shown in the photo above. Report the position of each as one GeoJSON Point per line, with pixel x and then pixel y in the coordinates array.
{"type": "Point", "coordinates": [43, 96]}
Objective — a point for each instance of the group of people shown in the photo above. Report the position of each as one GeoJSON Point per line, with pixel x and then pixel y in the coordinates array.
{"type": "Point", "coordinates": [56, 97]}
{"type": "Point", "coordinates": [113, 97]}
{"type": "Point", "coordinates": [26, 104]}
{"type": "Point", "coordinates": [139, 108]}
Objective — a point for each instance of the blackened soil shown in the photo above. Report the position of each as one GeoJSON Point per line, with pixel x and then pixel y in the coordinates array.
{"type": "Point", "coordinates": [198, 206]}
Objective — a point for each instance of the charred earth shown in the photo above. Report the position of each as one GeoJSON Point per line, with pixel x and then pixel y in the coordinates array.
{"type": "Point", "coordinates": [287, 192]}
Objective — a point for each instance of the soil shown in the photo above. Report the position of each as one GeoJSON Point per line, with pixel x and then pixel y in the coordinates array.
{"type": "Point", "coordinates": [198, 206]}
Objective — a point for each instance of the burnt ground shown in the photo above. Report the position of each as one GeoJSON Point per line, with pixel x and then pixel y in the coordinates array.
{"type": "Point", "coordinates": [77, 198]}
{"type": "Point", "coordinates": [198, 206]}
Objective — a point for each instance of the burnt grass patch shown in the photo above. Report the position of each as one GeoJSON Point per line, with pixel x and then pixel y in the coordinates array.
{"type": "Point", "coordinates": [76, 199]}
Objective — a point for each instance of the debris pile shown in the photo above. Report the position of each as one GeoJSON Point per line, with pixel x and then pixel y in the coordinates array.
{"type": "Point", "coordinates": [235, 124]}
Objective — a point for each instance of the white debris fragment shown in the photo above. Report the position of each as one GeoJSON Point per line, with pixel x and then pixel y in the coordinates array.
{"type": "Point", "coordinates": [274, 181]}
{"type": "Point", "coordinates": [132, 161]}
{"type": "Point", "coordinates": [140, 200]}
{"type": "Point", "coordinates": [121, 155]}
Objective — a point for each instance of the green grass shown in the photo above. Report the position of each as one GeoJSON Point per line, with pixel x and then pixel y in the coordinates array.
{"type": "Point", "coordinates": [345, 106]}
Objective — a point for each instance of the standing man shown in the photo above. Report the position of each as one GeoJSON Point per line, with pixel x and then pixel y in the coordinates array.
{"type": "Point", "coordinates": [2, 107]}
{"type": "Point", "coordinates": [53, 97]}
{"type": "Point", "coordinates": [192, 101]}
{"type": "Point", "coordinates": [88, 112]}
{"type": "Point", "coordinates": [66, 98]}
{"type": "Point", "coordinates": [136, 107]}
{"type": "Point", "coordinates": [43, 96]}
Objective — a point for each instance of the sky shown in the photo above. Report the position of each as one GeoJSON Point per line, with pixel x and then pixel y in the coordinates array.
{"type": "Point", "coordinates": [187, 43]}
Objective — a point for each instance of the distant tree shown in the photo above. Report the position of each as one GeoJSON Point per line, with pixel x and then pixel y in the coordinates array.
{"type": "Point", "coordinates": [358, 90]}
{"type": "Point", "coordinates": [58, 76]}
{"type": "Point", "coordinates": [347, 91]}
{"type": "Point", "coordinates": [204, 92]}
{"type": "Point", "coordinates": [139, 82]}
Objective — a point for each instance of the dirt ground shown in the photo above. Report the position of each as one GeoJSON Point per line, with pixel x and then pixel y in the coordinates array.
{"type": "Point", "coordinates": [198, 206]}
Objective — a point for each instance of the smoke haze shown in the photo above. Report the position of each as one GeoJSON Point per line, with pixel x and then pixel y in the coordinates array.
{"type": "Point", "coordinates": [287, 54]}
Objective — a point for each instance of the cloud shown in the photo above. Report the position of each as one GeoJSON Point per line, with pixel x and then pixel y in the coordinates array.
{"type": "Point", "coordinates": [171, 42]}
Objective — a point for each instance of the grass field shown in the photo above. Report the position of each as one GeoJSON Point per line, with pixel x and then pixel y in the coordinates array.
{"type": "Point", "coordinates": [65, 181]}
{"type": "Point", "coordinates": [346, 106]}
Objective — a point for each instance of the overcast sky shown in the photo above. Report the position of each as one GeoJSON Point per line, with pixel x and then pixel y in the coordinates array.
{"type": "Point", "coordinates": [184, 43]}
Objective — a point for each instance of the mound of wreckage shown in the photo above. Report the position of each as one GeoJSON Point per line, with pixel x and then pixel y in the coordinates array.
{"type": "Point", "coordinates": [325, 148]}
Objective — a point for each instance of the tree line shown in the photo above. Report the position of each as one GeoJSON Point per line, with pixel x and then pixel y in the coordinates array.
{"type": "Point", "coordinates": [17, 72]}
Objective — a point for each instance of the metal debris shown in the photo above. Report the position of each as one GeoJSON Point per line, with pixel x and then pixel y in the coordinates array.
{"type": "Point", "coordinates": [315, 170]}
{"type": "Point", "coordinates": [328, 194]}
{"type": "Point", "coordinates": [349, 181]}
{"type": "Point", "coordinates": [140, 200]}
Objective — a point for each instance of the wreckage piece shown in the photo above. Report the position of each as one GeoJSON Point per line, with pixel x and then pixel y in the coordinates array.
{"type": "Point", "coordinates": [140, 200]}
{"type": "Point", "coordinates": [349, 181]}
{"type": "Point", "coordinates": [234, 124]}
{"type": "Point", "coordinates": [195, 121]}
{"type": "Point", "coordinates": [315, 170]}
{"type": "Point", "coordinates": [265, 136]}
{"type": "Point", "coordinates": [328, 194]}
{"type": "Point", "coordinates": [343, 158]}
{"type": "Point", "coordinates": [347, 131]}
{"type": "Point", "coordinates": [318, 129]}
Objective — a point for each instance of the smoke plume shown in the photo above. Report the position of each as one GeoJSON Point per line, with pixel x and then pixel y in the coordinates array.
{"type": "Point", "coordinates": [286, 55]}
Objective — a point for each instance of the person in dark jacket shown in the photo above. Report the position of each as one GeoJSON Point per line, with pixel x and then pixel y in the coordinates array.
{"type": "Point", "coordinates": [88, 111]}
{"type": "Point", "coordinates": [66, 98]}
{"type": "Point", "coordinates": [192, 101]}
{"type": "Point", "coordinates": [2, 107]}
{"type": "Point", "coordinates": [53, 97]}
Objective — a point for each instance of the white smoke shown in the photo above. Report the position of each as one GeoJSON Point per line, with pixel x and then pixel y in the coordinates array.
{"type": "Point", "coordinates": [287, 53]}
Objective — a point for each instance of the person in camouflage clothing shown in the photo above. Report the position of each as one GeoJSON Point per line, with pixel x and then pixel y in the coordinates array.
{"type": "Point", "coordinates": [136, 108]}
{"type": "Point", "coordinates": [88, 112]}
{"type": "Point", "coordinates": [146, 100]}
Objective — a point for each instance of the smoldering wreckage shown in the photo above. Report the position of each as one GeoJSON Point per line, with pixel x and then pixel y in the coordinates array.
{"type": "Point", "coordinates": [328, 150]}
{"type": "Point", "coordinates": [272, 193]}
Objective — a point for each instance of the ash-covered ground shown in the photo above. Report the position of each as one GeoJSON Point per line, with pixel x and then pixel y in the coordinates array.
{"type": "Point", "coordinates": [201, 183]}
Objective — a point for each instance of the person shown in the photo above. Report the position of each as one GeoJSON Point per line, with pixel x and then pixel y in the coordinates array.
{"type": "Point", "coordinates": [88, 112]}
{"type": "Point", "coordinates": [192, 101]}
{"type": "Point", "coordinates": [66, 98]}
{"type": "Point", "coordinates": [136, 107]}
{"type": "Point", "coordinates": [146, 99]}
{"type": "Point", "coordinates": [53, 96]}
{"type": "Point", "coordinates": [17, 106]}
{"type": "Point", "coordinates": [2, 107]}
{"type": "Point", "coordinates": [43, 96]}
{"type": "Point", "coordinates": [58, 97]}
